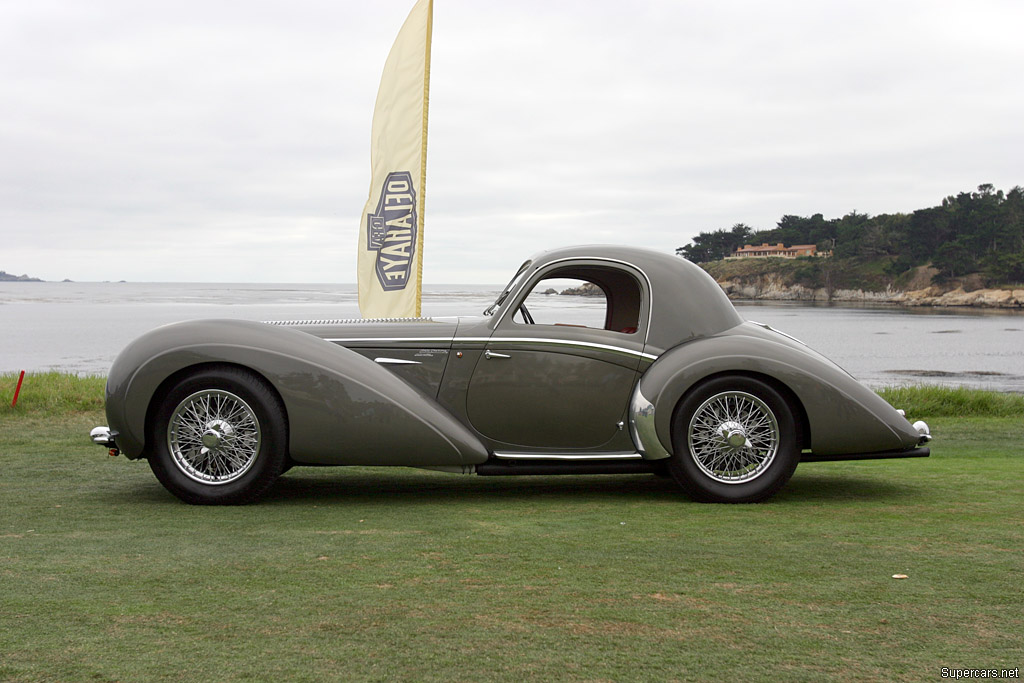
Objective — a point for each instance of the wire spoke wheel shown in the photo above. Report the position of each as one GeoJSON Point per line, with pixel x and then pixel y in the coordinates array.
{"type": "Point", "coordinates": [219, 436]}
{"type": "Point", "coordinates": [214, 437]}
{"type": "Point", "coordinates": [735, 440]}
{"type": "Point", "coordinates": [733, 437]}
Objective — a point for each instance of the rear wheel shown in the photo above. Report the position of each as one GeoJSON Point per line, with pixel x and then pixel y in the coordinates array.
{"type": "Point", "coordinates": [219, 437]}
{"type": "Point", "coordinates": [735, 441]}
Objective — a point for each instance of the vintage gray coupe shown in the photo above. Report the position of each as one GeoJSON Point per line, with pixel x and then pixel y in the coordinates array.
{"type": "Point", "coordinates": [665, 378]}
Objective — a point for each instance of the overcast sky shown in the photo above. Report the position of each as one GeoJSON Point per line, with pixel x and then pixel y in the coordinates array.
{"type": "Point", "coordinates": [229, 142]}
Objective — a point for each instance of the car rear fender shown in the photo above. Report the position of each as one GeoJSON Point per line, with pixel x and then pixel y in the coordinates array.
{"type": "Point", "coordinates": [843, 415]}
{"type": "Point", "coordinates": [342, 408]}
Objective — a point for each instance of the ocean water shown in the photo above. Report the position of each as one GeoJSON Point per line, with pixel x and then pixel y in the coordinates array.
{"type": "Point", "coordinates": [81, 327]}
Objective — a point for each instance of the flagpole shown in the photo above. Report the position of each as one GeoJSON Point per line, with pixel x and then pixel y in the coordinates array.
{"type": "Point", "coordinates": [423, 161]}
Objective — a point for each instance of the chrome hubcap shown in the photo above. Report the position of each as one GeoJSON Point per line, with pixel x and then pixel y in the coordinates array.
{"type": "Point", "coordinates": [214, 437]}
{"type": "Point", "coordinates": [216, 432]}
{"type": "Point", "coordinates": [733, 437]}
{"type": "Point", "coordinates": [733, 434]}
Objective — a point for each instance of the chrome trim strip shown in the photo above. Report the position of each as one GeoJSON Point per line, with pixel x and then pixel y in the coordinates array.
{"type": "Point", "coordinates": [497, 341]}
{"type": "Point", "coordinates": [563, 456]}
{"type": "Point", "coordinates": [650, 289]}
{"type": "Point", "coordinates": [772, 329]}
{"type": "Point", "coordinates": [412, 340]}
{"type": "Point", "coordinates": [396, 361]}
{"type": "Point", "coordinates": [642, 429]}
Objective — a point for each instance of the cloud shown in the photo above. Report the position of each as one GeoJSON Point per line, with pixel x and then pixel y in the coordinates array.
{"type": "Point", "coordinates": [193, 141]}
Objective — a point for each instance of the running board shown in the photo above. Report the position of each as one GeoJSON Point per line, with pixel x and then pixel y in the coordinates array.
{"type": "Point", "coordinates": [880, 455]}
{"type": "Point", "coordinates": [508, 467]}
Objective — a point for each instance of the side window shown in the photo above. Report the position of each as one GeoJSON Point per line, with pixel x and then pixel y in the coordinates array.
{"type": "Point", "coordinates": [566, 301]}
{"type": "Point", "coordinates": [601, 298]}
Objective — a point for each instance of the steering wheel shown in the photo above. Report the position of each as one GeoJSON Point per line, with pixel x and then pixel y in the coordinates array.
{"type": "Point", "coordinates": [527, 318]}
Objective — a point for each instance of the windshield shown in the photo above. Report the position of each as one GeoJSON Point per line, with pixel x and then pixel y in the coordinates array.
{"type": "Point", "coordinates": [508, 288]}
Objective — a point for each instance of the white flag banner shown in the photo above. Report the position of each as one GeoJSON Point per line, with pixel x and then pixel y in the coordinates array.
{"type": "Point", "coordinates": [390, 267]}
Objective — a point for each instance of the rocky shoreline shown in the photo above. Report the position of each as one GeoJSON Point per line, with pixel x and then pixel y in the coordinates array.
{"type": "Point", "coordinates": [770, 289]}
{"type": "Point", "coordinates": [8, 277]}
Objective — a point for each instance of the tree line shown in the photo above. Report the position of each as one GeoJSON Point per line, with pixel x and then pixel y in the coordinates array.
{"type": "Point", "coordinates": [970, 232]}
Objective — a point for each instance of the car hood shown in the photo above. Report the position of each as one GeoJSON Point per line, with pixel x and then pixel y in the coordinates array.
{"type": "Point", "coordinates": [379, 332]}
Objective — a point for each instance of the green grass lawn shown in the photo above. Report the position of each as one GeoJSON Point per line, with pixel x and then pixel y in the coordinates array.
{"type": "Point", "coordinates": [396, 574]}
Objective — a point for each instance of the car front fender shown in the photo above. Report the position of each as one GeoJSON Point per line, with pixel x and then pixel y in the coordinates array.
{"type": "Point", "coordinates": [844, 416]}
{"type": "Point", "coordinates": [342, 408]}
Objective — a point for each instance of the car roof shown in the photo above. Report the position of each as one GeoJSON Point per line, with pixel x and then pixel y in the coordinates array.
{"type": "Point", "coordinates": [686, 302]}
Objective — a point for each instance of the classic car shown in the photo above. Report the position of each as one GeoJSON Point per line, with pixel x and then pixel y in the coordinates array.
{"type": "Point", "coordinates": [665, 377]}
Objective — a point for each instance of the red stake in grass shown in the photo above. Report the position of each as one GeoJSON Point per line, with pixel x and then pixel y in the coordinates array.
{"type": "Point", "coordinates": [17, 391]}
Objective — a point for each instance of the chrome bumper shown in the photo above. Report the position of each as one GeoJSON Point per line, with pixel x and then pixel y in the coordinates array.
{"type": "Point", "coordinates": [102, 436]}
{"type": "Point", "coordinates": [922, 429]}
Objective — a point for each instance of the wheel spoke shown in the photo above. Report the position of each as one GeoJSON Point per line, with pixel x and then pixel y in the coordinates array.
{"type": "Point", "coordinates": [733, 437]}
{"type": "Point", "coordinates": [214, 436]}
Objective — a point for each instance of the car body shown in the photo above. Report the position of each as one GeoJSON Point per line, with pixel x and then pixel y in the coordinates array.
{"type": "Point", "coordinates": [667, 378]}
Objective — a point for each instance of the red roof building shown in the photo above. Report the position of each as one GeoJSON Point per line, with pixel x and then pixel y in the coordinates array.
{"type": "Point", "coordinates": [775, 250]}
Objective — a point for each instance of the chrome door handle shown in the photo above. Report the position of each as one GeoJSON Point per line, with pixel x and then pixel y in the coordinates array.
{"type": "Point", "coordinates": [488, 354]}
{"type": "Point", "coordinates": [395, 361]}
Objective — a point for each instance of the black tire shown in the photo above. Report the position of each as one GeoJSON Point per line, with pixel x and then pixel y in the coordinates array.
{"type": "Point", "coordinates": [735, 441]}
{"type": "Point", "coordinates": [219, 437]}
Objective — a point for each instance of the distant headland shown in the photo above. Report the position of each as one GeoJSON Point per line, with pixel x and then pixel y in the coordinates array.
{"type": "Point", "coordinates": [7, 277]}
{"type": "Point", "coordinates": [968, 251]}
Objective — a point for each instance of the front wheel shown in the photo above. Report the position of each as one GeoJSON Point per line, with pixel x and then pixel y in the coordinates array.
{"type": "Point", "coordinates": [219, 437]}
{"type": "Point", "coordinates": [735, 441]}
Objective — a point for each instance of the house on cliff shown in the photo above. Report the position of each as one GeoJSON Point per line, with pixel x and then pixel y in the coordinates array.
{"type": "Point", "coordinates": [777, 251]}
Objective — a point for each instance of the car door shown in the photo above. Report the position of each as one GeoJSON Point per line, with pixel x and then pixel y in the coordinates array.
{"type": "Point", "coordinates": [547, 385]}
